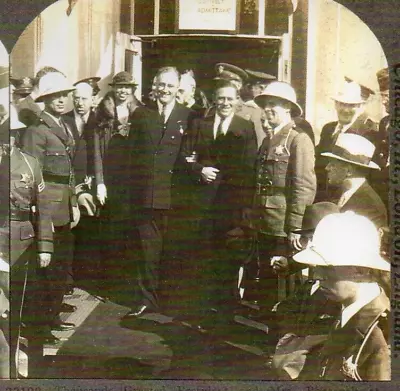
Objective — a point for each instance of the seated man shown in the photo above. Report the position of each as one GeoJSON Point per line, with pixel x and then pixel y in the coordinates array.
{"type": "Point", "coordinates": [345, 250]}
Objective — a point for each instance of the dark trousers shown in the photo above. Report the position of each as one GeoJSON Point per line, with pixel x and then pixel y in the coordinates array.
{"type": "Point", "coordinates": [47, 286]}
{"type": "Point", "coordinates": [151, 230]}
{"type": "Point", "coordinates": [261, 282]}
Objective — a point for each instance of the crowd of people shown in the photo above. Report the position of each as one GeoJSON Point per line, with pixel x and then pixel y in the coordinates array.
{"type": "Point", "coordinates": [189, 192]}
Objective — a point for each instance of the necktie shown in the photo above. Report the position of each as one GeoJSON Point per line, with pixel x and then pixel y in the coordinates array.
{"type": "Point", "coordinates": [220, 132]}
{"type": "Point", "coordinates": [162, 114]}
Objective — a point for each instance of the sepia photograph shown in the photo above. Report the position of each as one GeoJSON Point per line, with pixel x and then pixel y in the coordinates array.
{"type": "Point", "coordinates": [198, 190]}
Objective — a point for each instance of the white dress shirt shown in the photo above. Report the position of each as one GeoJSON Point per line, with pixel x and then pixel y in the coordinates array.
{"type": "Point", "coordinates": [81, 121]}
{"type": "Point", "coordinates": [225, 125]}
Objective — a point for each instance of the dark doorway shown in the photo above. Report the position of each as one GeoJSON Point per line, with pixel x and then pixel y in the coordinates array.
{"type": "Point", "coordinates": [201, 53]}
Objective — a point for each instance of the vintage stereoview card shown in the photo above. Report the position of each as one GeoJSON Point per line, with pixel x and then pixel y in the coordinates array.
{"type": "Point", "coordinates": [205, 195]}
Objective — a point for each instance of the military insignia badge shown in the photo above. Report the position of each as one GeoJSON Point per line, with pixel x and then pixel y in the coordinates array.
{"type": "Point", "coordinates": [349, 368]}
{"type": "Point", "coordinates": [220, 69]}
{"type": "Point", "coordinates": [26, 178]}
{"type": "Point", "coordinates": [279, 150]}
{"type": "Point", "coordinates": [181, 130]}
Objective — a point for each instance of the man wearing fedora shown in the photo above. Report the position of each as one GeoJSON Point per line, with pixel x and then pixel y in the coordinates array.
{"type": "Point", "coordinates": [345, 252]}
{"type": "Point", "coordinates": [52, 142]}
{"type": "Point", "coordinates": [349, 164]}
{"type": "Point", "coordinates": [155, 141]}
{"type": "Point", "coordinates": [285, 183]}
{"type": "Point", "coordinates": [352, 118]}
{"type": "Point", "coordinates": [111, 154]}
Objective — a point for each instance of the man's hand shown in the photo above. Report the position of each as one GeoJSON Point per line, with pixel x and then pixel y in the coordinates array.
{"type": "Point", "coordinates": [209, 174]}
{"type": "Point", "coordinates": [101, 193]}
{"type": "Point", "coordinates": [44, 259]}
{"type": "Point", "coordinates": [280, 264]}
{"type": "Point", "coordinates": [76, 214]}
{"type": "Point", "coordinates": [294, 240]}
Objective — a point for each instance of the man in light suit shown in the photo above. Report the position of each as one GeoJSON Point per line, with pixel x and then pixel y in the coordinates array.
{"type": "Point", "coordinates": [155, 141]}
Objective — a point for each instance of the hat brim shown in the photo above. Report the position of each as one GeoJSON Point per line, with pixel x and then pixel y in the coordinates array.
{"type": "Point", "coordinates": [296, 110]}
{"type": "Point", "coordinates": [348, 101]}
{"type": "Point", "coordinates": [41, 97]}
{"type": "Point", "coordinates": [131, 84]}
{"type": "Point", "coordinates": [371, 164]}
{"type": "Point", "coordinates": [310, 257]}
{"type": "Point", "coordinates": [94, 79]}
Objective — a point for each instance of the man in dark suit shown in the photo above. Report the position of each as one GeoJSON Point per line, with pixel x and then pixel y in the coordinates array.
{"type": "Point", "coordinates": [52, 143]}
{"type": "Point", "coordinates": [82, 121]}
{"type": "Point", "coordinates": [352, 118]}
{"type": "Point", "coordinates": [221, 150]}
{"type": "Point", "coordinates": [350, 162]}
{"type": "Point", "coordinates": [155, 141]}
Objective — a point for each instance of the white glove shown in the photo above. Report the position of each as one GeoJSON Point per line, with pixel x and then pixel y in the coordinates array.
{"type": "Point", "coordinates": [101, 193]}
{"type": "Point", "coordinates": [44, 259]}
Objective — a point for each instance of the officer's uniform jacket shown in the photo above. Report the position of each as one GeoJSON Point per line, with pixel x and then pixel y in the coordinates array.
{"type": "Point", "coordinates": [285, 181]}
{"type": "Point", "coordinates": [342, 357]}
{"type": "Point", "coordinates": [155, 151]}
{"type": "Point", "coordinates": [53, 146]}
{"type": "Point", "coordinates": [27, 190]}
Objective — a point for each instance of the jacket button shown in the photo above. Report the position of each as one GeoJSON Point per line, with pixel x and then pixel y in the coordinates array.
{"type": "Point", "coordinates": [381, 154]}
{"type": "Point", "coordinates": [173, 137]}
{"type": "Point", "coordinates": [170, 171]}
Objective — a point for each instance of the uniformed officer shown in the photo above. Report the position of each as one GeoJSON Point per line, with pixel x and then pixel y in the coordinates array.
{"type": "Point", "coordinates": [26, 193]}
{"type": "Point", "coordinates": [345, 252]}
{"type": "Point", "coordinates": [256, 84]}
{"type": "Point", "coordinates": [285, 183]}
{"type": "Point", "coordinates": [52, 143]}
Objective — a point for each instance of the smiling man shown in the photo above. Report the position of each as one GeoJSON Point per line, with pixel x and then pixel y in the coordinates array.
{"type": "Point", "coordinates": [225, 149]}
{"type": "Point", "coordinates": [155, 141]}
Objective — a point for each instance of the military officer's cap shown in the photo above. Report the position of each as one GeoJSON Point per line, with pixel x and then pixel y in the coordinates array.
{"type": "Point", "coordinates": [383, 79]}
{"type": "Point", "coordinates": [22, 86]}
{"type": "Point", "coordinates": [366, 92]}
{"type": "Point", "coordinates": [93, 82]}
{"type": "Point", "coordinates": [229, 72]}
{"type": "Point", "coordinates": [259, 77]}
